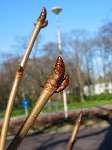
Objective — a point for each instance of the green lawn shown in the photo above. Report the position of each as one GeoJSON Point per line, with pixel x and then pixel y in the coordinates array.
{"type": "Point", "coordinates": [89, 104]}
{"type": "Point", "coordinates": [75, 105]}
{"type": "Point", "coordinates": [55, 106]}
{"type": "Point", "coordinates": [16, 112]}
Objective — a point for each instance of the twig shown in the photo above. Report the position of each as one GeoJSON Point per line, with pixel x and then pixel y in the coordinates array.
{"type": "Point", "coordinates": [56, 83]}
{"type": "Point", "coordinates": [41, 23]}
{"type": "Point", "coordinates": [74, 132]}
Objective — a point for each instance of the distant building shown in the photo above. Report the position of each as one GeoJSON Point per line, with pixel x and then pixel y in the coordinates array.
{"type": "Point", "coordinates": [98, 88]}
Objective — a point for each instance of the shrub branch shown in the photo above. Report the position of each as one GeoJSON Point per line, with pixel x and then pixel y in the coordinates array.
{"type": "Point", "coordinates": [41, 23]}
{"type": "Point", "coordinates": [56, 82]}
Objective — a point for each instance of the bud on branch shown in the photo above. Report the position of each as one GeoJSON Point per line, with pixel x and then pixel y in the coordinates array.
{"type": "Point", "coordinates": [42, 18]}
{"type": "Point", "coordinates": [57, 82]}
{"type": "Point", "coordinates": [41, 23]}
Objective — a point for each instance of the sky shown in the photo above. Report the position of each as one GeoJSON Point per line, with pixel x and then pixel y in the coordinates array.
{"type": "Point", "coordinates": [17, 18]}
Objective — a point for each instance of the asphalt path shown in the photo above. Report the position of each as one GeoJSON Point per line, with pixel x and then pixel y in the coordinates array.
{"type": "Point", "coordinates": [88, 139]}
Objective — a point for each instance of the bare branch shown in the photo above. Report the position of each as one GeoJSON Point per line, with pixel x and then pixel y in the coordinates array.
{"type": "Point", "coordinates": [54, 82]}
{"type": "Point", "coordinates": [74, 132]}
{"type": "Point", "coordinates": [41, 22]}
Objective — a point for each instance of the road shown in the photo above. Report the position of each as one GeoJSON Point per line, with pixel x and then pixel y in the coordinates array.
{"type": "Point", "coordinates": [88, 139]}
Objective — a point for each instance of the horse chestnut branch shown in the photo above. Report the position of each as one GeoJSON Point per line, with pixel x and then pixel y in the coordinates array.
{"type": "Point", "coordinates": [56, 82]}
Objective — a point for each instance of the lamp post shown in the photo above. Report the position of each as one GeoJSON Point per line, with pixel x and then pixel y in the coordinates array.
{"type": "Point", "coordinates": [56, 10]}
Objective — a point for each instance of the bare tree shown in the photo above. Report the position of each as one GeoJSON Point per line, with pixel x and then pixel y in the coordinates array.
{"type": "Point", "coordinates": [104, 40]}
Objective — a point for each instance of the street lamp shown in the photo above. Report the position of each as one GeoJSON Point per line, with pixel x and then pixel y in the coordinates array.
{"type": "Point", "coordinates": [56, 10]}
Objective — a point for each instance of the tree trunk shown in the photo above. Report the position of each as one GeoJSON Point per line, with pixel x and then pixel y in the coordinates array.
{"type": "Point", "coordinates": [81, 93]}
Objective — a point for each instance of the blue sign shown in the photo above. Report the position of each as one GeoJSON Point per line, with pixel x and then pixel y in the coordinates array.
{"type": "Point", "coordinates": [25, 103]}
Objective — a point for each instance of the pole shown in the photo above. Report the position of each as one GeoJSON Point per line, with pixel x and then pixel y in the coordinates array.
{"type": "Point", "coordinates": [60, 53]}
{"type": "Point", "coordinates": [65, 103]}
{"type": "Point", "coordinates": [59, 36]}
{"type": "Point", "coordinates": [26, 111]}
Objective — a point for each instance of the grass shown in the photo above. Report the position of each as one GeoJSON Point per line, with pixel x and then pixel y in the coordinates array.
{"type": "Point", "coordinates": [16, 112]}
{"type": "Point", "coordinates": [88, 104]}
{"type": "Point", "coordinates": [56, 106]}
{"type": "Point", "coordinates": [76, 105]}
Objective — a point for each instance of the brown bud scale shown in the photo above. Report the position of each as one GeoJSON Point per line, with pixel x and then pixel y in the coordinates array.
{"type": "Point", "coordinates": [58, 81]}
